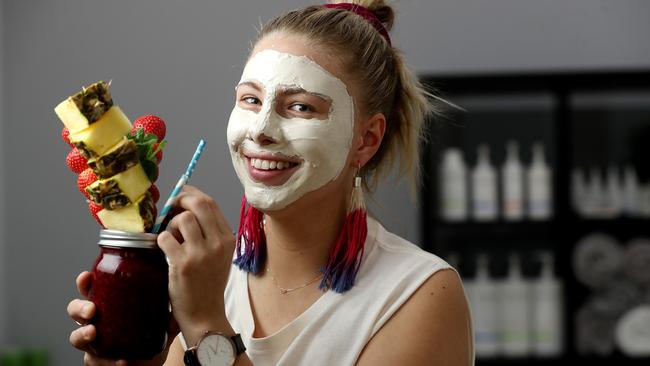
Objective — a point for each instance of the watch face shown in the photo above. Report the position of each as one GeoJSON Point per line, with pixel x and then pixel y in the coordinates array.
{"type": "Point", "coordinates": [215, 350]}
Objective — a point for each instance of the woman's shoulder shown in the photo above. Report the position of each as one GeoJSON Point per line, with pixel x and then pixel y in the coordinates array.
{"type": "Point", "coordinates": [422, 297]}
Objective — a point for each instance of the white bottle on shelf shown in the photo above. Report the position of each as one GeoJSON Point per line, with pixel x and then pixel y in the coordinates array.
{"type": "Point", "coordinates": [484, 187]}
{"type": "Point", "coordinates": [578, 191]}
{"type": "Point", "coordinates": [512, 178]}
{"type": "Point", "coordinates": [595, 194]}
{"type": "Point", "coordinates": [644, 201]}
{"type": "Point", "coordinates": [539, 186]}
{"type": "Point", "coordinates": [630, 192]}
{"type": "Point", "coordinates": [453, 186]}
{"type": "Point", "coordinates": [481, 291]}
{"type": "Point", "coordinates": [613, 196]}
{"type": "Point", "coordinates": [514, 307]}
{"type": "Point", "coordinates": [547, 311]}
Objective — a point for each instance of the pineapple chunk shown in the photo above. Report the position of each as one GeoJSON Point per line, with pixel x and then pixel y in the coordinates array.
{"type": "Point", "coordinates": [121, 157]}
{"type": "Point", "coordinates": [81, 110]}
{"type": "Point", "coordinates": [138, 217]}
{"type": "Point", "coordinates": [121, 189]}
{"type": "Point", "coordinates": [102, 135]}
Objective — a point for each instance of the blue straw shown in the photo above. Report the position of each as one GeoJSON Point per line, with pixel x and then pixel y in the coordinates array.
{"type": "Point", "coordinates": [177, 189]}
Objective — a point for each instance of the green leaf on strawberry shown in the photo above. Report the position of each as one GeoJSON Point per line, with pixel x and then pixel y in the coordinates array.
{"type": "Point", "coordinates": [148, 147]}
{"type": "Point", "coordinates": [154, 151]}
{"type": "Point", "coordinates": [151, 169]}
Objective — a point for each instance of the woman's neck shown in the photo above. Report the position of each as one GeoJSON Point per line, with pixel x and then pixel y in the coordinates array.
{"type": "Point", "coordinates": [300, 236]}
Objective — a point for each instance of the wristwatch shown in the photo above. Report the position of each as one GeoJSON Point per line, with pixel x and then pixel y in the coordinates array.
{"type": "Point", "coordinates": [214, 349]}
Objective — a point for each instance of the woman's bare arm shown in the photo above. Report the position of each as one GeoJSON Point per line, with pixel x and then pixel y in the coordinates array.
{"type": "Point", "coordinates": [175, 355]}
{"type": "Point", "coordinates": [432, 328]}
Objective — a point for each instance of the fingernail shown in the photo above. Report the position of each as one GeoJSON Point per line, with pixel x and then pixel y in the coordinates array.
{"type": "Point", "coordinates": [87, 334]}
{"type": "Point", "coordinates": [85, 311]}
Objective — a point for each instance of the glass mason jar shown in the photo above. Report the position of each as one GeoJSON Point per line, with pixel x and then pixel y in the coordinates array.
{"type": "Point", "coordinates": [130, 292]}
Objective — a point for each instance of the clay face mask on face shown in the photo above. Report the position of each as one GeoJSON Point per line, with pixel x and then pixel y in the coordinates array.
{"type": "Point", "coordinates": [319, 146]}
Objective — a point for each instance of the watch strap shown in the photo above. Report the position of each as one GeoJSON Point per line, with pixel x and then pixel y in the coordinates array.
{"type": "Point", "coordinates": [190, 359]}
{"type": "Point", "coordinates": [239, 344]}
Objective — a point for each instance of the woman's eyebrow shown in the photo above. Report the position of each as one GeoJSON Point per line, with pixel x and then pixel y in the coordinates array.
{"type": "Point", "coordinates": [291, 90]}
{"type": "Point", "coordinates": [249, 83]}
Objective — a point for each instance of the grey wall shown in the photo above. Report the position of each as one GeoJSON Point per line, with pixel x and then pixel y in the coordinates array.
{"type": "Point", "coordinates": [3, 245]}
{"type": "Point", "coordinates": [449, 36]}
{"type": "Point", "coordinates": [180, 60]}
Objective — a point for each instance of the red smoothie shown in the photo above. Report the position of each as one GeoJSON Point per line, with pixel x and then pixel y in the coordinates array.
{"type": "Point", "coordinates": [129, 289]}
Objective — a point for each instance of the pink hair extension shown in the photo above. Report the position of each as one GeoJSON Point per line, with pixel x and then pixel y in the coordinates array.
{"type": "Point", "coordinates": [346, 254]}
{"type": "Point", "coordinates": [251, 235]}
{"type": "Point", "coordinates": [345, 257]}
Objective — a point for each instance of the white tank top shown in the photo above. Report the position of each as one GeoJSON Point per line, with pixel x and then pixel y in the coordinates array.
{"type": "Point", "coordinates": [335, 329]}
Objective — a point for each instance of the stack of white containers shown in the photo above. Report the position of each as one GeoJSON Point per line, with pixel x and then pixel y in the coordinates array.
{"type": "Point", "coordinates": [526, 192]}
{"type": "Point", "coordinates": [516, 317]}
{"type": "Point", "coordinates": [609, 194]}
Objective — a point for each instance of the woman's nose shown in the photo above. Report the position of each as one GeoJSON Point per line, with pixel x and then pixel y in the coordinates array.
{"type": "Point", "coordinates": [267, 131]}
{"type": "Point", "coordinates": [263, 140]}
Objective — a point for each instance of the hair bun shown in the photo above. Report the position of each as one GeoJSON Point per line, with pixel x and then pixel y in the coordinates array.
{"type": "Point", "coordinates": [379, 8]}
{"type": "Point", "coordinates": [383, 12]}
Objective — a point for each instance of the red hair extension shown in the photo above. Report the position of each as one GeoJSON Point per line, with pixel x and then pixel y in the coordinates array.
{"type": "Point", "coordinates": [251, 235]}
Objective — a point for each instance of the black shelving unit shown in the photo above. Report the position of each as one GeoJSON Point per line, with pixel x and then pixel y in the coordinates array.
{"type": "Point", "coordinates": [558, 235]}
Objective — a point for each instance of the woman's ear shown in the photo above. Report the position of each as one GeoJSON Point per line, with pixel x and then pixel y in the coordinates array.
{"type": "Point", "coordinates": [371, 133]}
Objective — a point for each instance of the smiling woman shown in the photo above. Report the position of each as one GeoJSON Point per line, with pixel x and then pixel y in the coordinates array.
{"type": "Point", "coordinates": [324, 103]}
{"type": "Point", "coordinates": [318, 139]}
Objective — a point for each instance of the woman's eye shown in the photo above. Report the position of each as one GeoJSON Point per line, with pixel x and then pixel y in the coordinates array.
{"type": "Point", "coordinates": [251, 100]}
{"type": "Point", "coordinates": [299, 107]}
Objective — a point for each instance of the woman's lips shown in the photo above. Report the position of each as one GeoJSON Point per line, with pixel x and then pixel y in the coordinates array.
{"type": "Point", "coordinates": [269, 170]}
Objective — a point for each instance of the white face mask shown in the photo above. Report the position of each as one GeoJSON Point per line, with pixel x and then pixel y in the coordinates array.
{"type": "Point", "coordinates": [321, 145]}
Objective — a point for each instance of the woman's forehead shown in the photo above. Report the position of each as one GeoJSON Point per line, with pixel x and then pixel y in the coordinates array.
{"type": "Point", "coordinates": [277, 70]}
{"type": "Point", "coordinates": [299, 45]}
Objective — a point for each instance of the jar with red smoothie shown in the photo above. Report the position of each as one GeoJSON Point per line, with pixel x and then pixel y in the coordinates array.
{"type": "Point", "coordinates": [130, 292]}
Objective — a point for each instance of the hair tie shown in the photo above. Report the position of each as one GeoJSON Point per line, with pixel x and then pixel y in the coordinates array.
{"type": "Point", "coordinates": [365, 13]}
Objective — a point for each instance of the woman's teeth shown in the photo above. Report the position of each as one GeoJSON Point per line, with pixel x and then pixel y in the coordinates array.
{"type": "Point", "coordinates": [271, 164]}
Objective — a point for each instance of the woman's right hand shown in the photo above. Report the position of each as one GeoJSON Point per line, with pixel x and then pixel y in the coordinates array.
{"type": "Point", "coordinates": [82, 312]}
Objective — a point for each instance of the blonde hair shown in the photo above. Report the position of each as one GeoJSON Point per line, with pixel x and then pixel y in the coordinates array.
{"type": "Point", "coordinates": [386, 83]}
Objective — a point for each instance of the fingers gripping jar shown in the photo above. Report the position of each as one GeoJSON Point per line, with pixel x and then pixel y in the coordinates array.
{"type": "Point", "coordinates": [130, 291]}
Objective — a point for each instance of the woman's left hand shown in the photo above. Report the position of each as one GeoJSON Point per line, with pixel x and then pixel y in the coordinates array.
{"type": "Point", "coordinates": [199, 246]}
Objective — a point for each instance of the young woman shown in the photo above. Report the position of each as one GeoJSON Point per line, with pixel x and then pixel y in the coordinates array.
{"type": "Point", "coordinates": [325, 101]}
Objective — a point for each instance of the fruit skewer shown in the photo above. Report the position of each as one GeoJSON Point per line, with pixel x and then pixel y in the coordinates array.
{"type": "Point", "coordinates": [118, 161]}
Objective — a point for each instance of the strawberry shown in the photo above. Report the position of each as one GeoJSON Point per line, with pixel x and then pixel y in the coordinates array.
{"type": "Point", "coordinates": [75, 162]}
{"type": "Point", "coordinates": [155, 193]}
{"type": "Point", "coordinates": [65, 135]}
{"type": "Point", "coordinates": [159, 153]}
{"type": "Point", "coordinates": [150, 124]}
{"type": "Point", "coordinates": [94, 209]}
{"type": "Point", "coordinates": [86, 178]}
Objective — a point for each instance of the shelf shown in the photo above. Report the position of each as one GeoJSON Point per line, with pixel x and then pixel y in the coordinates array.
{"type": "Point", "coordinates": [617, 359]}
{"type": "Point", "coordinates": [497, 236]}
{"type": "Point", "coordinates": [623, 226]}
{"type": "Point", "coordinates": [574, 226]}
{"type": "Point", "coordinates": [496, 230]}
{"type": "Point", "coordinates": [517, 361]}
{"type": "Point", "coordinates": [502, 118]}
